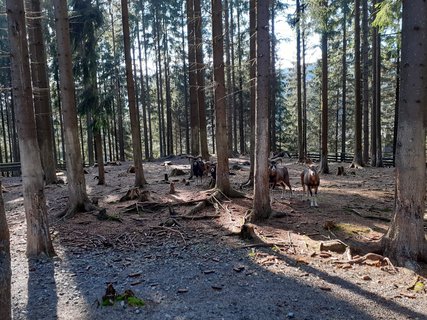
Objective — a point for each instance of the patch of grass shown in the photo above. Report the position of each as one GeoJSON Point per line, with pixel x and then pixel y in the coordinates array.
{"type": "Point", "coordinates": [352, 228]}
{"type": "Point", "coordinates": [252, 253]}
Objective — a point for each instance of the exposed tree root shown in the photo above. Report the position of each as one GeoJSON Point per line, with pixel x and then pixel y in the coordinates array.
{"type": "Point", "coordinates": [369, 256]}
{"type": "Point", "coordinates": [370, 217]}
{"type": "Point", "coordinates": [247, 184]}
{"type": "Point", "coordinates": [70, 212]}
{"type": "Point", "coordinates": [136, 194]}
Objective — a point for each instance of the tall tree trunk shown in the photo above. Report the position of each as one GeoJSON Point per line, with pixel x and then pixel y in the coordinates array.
{"type": "Point", "coordinates": [233, 80]}
{"type": "Point", "coordinates": [252, 87]}
{"type": "Point", "coordinates": [273, 82]}
{"type": "Point", "coordinates": [186, 95]}
{"type": "Point", "coordinates": [324, 168]}
{"type": "Point", "coordinates": [143, 89]}
{"type": "Point", "coordinates": [5, 265]}
{"type": "Point", "coordinates": [77, 196]}
{"type": "Point", "coordinates": [299, 100]}
{"type": "Point", "coordinates": [43, 110]}
{"type": "Point", "coordinates": [38, 235]}
{"type": "Point", "coordinates": [357, 160]}
{"type": "Point", "coordinates": [229, 117]}
{"type": "Point", "coordinates": [241, 105]}
{"type": "Point", "coordinates": [405, 240]}
{"type": "Point", "coordinates": [148, 97]}
{"type": "Point", "coordinates": [344, 84]}
{"type": "Point", "coordinates": [365, 80]}
{"type": "Point", "coordinates": [169, 124]}
{"type": "Point", "coordinates": [377, 83]}
{"type": "Point", "coordinates": [200, 67]}
{"type": "Point", "coordinates": [159, 82]}
{"type": "Point", "coordinates": [373, 147]}
{"type": "Point", "coordinates": [192, 78]}
{"type": "Point", "coordinates": [222, 173]}
{"type": "Point", "coordinates": [261, 202]}
{"type": "Point", "coordinates": [136, 133]}
{"type": "Point", "coordinates": [120, 129]}
{"type": "Point", "coordinates": [304, 98]}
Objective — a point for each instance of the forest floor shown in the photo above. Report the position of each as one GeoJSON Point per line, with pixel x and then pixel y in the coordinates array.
{"type": "Point", "coordinates": [200, 268]}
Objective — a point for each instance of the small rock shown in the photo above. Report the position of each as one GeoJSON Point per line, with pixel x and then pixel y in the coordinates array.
{"type": "Point", "coordinates": [366, 277]}
{"type": "Point", "coordinates": [290, 315]}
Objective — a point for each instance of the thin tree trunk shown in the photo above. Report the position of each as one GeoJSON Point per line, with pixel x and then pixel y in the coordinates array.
{"type": "Point", "coordinates": [324, 168]}
{"type": "Point", "coordinates": [186, 97]}
{"type": "Point", "coordinates": [299, 97]}
{"type": "Point", "coordinates": [143, 89]}
{"type": "Point", "coordinates": [200, 67]}
{"type": "Point", "coordinates": [273, 82]}
{"type": "Point", "coordinates": [148, 97]}
{"type": "Point", "coordinates": [357, 160]}
{"type": "Point", "coordinates": [120, 129]}
{"type": "Point", "coordinates": [252, 85]}
{"type": "Point", "coordinates": [373, 149]}
{"type": "Point", "coordinates": [377, 83]}
{"type": "Point", "coordinates": [241, 106]}
{"type": "Point", "coordinates": [304, 99]}
{"type": "Point", "coordinates": [344, 85]}
{"type": "Point", "coordinates": [192, 76]}
{"type": "Point", "coordinates": [233, 79]}
{"type": "Point", "coordinates": [136, 133]}
{"type": "Point", "coordinates": [229, 87]}
{"type": "Point", "coordinates": [365, 80]}
{"type": "Point", "coordinates": [169, 124]}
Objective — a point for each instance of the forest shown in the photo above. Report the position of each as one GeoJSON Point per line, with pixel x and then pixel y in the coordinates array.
{"type": "Point", "coordinates": [104, 103]}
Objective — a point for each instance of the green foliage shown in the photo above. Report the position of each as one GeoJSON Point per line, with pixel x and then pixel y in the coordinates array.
{"type": "Point", "coordinates": [135, 302]}
{"type": "Point", "coordinates": [387, 12]}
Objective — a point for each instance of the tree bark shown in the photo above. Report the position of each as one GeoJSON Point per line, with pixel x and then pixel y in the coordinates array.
{"type": "Point", "coordinates": [200, 67]}
{"type": "Point", "coordinates": [261, 203]}
{"type": "Point", "coordinates": [252, 85]}
{"type": "Point", "coordinates": [38, 235]}
{"type": "Point", "coordinates": [41, 92]}
{"type": "Point", "coordinates": [301, 154]}
{"type": "Point", "coordinates": [405, 239]}
{"type": "Point", "coordinates": [5, 265]}
{"type": "Point", "coordinates": [358, 156]}
{"type": "Point", "coordinates": [192, 79]}
{"type": "Point", "coordinates": [136, 133]}
{"type": "Point", "coordinates": [324, 168]}
{"type": "Point", "coordinates": [365, 80]}
{"type": "Point", "coordinates": [222, 172]}
{"type": "Point", "coordinates": [373, 146]}
{"type": "Point", "coordinates": [77, 196]}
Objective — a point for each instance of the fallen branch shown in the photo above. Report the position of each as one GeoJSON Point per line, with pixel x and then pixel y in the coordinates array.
{"type": "Point", "coordinates": [369, 256]}
{"type": "Point", "coordinates": [171, 229]}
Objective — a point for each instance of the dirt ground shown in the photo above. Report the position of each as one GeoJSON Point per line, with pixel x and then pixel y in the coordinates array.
{"type": "Point", "coordinates": [198, 267]}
